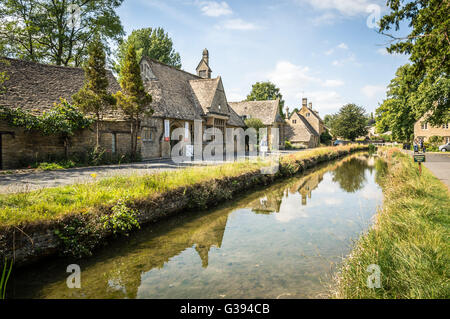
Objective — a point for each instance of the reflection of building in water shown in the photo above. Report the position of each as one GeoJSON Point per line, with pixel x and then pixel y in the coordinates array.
{"type": "Point", "coordinates": [306, 185]}
{"type": "Point", "coordinates": [269, 203]}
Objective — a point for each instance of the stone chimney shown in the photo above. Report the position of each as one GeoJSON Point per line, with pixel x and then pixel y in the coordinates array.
{"type": "Point", "coordinates": [203, 69]}
{"type": "Point", "coordinates": [206, 56]}
{"type": "Point", "coordinates": [310, 105]}
{"type": "Point", "coordinates": [305, 102]}
{"type": "Point", "coordinates": [286, 115]}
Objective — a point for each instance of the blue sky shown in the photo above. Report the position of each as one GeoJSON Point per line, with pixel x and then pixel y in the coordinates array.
{"type": "Point", "coordinates": [324, 50]}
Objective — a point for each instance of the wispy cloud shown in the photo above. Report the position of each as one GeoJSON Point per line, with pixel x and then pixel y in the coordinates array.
{"type": "Point", "coordinates": [349, 59]}
{"type": "Point", "coordinates": [372, 91]}
{"type": "Point", "coordinates": [237, 24]}
{"type": "Point", "coordinates": [214, 8]}
{"type": "Point", "coordinates": [341, 46]}
{"type": "Point", "coordinates": [296, 81]}
{"type": "Point", "coordinates": [343, 7]}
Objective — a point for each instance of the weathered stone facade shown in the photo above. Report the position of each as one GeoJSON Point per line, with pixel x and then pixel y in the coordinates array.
{"type": "Point", "coordinates": [35, 88]}
{"type": "Point", "coordinates": [423, 130]}
{"type": "Point", "coordinates": [21, 148]}
{"type": "Point", "coordinates": [268, 112]}
{"type": "Point", "coordinates": [179, 99]}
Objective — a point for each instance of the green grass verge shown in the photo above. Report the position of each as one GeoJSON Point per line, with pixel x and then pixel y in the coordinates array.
{"type": "Point", "coordinates": [409, 240]}
{"type": "Point", "coordinates": [51, 203]}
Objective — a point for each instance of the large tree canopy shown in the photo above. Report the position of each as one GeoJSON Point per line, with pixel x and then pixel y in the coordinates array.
{"type": "Point", "coordinates": [429, 47]}
{"type": "Point", "coordinates": [154, 43]}
{"type": "Point", "coordinates": [396, 113]}
{"type": "Point", "coordinates": [53, 32]}
{"type": "Point", "coordinates": [262, 91]}
{"type": "Point", "coordinates": [350, 122]}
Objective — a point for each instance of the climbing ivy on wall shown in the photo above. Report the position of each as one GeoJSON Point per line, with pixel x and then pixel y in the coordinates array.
{"type": "Point", "coordinates": [62, 119]}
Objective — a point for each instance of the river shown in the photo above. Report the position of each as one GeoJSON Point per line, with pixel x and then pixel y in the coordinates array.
{"type": "Point", "coordinates": [282, 241]}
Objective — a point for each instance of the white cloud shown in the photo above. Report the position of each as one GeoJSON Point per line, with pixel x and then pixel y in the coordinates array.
{"type": "Point", "coordinates": [341, 46]}
{"type": "Point", "coordinates": [326, 18]}
{"type": "Point", "coordinates": [333, 83]}
{"type": "Point", "coordinates": [373, 90]}
{"type": "Point", "coordinates": [351, 58]}
{"type": "Point", "coordinates": [296, 81]}
{"type": "Point", "coordinates": [214, 9]}
{"type": "Point", "coordinates": [237, 24]}
{"type": "Point", "coordinates": [326, 101]}
{"type": "Point", "coordinates": [344, 7]}
{"type": "Point", "coordinates": [291, 79]}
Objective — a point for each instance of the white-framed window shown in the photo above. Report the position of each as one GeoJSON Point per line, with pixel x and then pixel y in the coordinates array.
{"type": "Point", "coordinates": [424, 126]}
{"type": "Point", "coordinates": [447, 139]}
{"type": "Point", "coordinates": [294, 121]}
{"type": "Point", "coordinates": [147, 134]}
{"type": "Point", "coordinates": [445, 126]}
{"type": "Point", "coordinates": [308, 114]}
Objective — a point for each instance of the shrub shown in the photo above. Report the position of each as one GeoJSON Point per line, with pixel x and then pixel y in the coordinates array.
{"type": "Point", "coordinates": [122, 220]}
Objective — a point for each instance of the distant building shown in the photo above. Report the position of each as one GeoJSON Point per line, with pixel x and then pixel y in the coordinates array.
{"type": "Point", "coordinates": [267, 111]}
{"type": "Point", "coordinates": [423, 130]}
{"type": "Point", "coordinates": [303, 128]}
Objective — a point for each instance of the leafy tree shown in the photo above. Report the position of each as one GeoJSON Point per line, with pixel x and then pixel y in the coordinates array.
{"type": "Point", "coordinates": [428, 44]}
{"type": "Point", "coordinates": [325, 138]}
{"type": "Point", "coordinates": [254, 123]}
{"type": "Point", "coordinates": [153, 43]}
{"type": "Point", "coordinates": [64, 120]}
{"type": "Point", "coordinates": [328, 119]}
{"type": "Point", "coordinates": [262, 91]}
{"type": "Point", "coordinates": [396, 113]}
{"type": "Point", "coordinates": [3, 78]}
{"type": "Point", "coordinates": [93, 97]}
{"type": "Point", "coordinates": [350, 122]}
{"type": "Point", "coordinates": [41, 30]}
{"type": "Point", "coordinates": [133, 99]}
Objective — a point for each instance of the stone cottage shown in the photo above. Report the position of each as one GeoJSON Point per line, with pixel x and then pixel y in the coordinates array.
{"type": "Point", "coordinates": [180, 98]}
{"type": "Point", "coordinates": [267, 111]}
{"type": "Point", "coordinates": [303, 128]}
{"type": "Point", "coordinates": [35, 87]}
{"type": "Point", "coordinates": [423, 130]}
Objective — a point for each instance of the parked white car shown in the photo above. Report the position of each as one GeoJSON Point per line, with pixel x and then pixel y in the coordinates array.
{"type": "Point", "coordinates": [445, 147]}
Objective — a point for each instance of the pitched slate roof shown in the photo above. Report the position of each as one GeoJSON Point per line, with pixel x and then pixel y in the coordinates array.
{"type": "Point", "coordinates": [300, 132]}
{"type": "Point", "coordinates": [204, 90]}
{"type": "Point", "coordinates": [266, 111]}
{"type": "Point", "coordinates": [181, 95]}
{"type": "Point", "coordinates": [308, 126]}
{"type": "Point", "coordinates": [36, 87]}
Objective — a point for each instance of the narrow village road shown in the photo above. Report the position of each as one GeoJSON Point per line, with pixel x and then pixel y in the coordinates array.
{"type": "Point", "coordinates": [439, 165]}
{"type": "Point", "coordinates": [29, 180]}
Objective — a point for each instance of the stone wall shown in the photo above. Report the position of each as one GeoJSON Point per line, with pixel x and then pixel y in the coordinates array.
{"type": "Point", "coordinates": [23, 147]}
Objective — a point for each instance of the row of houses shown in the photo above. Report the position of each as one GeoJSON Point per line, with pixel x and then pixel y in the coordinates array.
{"type": "Point", "coordinates": [179, 99]}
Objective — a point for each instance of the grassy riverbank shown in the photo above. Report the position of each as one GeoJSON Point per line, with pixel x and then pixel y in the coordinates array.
{"type": "Point", "coordinates": [52, 203]}
{"type": "Point", "coordinates": [409, 241]}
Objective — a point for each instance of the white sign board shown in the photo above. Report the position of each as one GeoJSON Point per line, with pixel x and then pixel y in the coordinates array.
{"type": "Point", "coordinates": [166, 130]}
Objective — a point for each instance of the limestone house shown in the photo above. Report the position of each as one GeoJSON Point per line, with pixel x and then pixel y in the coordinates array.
{"type": "Point", "coordinates": [36, 87]}
{"type": "Point", "coordinates": [304, 127]}
{"type": "Point", "coordinates": [179, 98]}
{"type": "Point", "coordinates": [423, 130]}
{"type": "Point", "coordinates": [267, 111]}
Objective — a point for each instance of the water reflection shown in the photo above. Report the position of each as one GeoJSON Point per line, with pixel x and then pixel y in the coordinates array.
{"type": "Point", "coordinates": [281, 241]}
